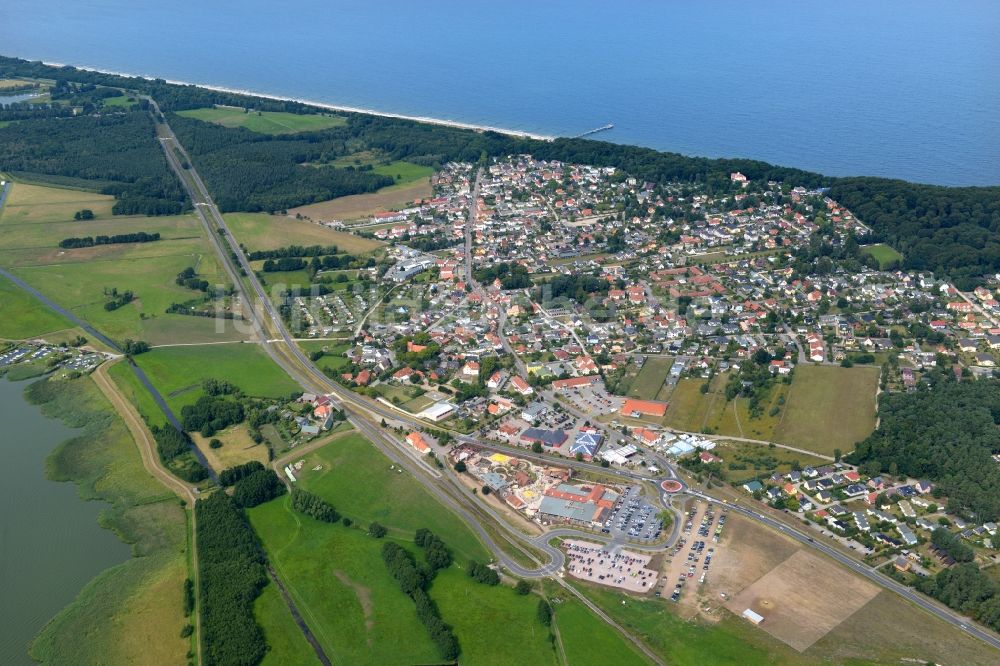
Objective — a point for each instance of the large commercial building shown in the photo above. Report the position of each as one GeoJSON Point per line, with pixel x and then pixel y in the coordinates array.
{"type": "Point", "coordinates": [587, 505]}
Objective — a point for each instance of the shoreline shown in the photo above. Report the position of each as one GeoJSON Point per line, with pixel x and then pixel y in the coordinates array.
{"type": "Point", "coordinates": [322, 105]}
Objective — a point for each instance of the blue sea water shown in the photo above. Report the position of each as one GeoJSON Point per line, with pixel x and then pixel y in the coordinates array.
{"type": "Point", "coordinates": [907, 89]}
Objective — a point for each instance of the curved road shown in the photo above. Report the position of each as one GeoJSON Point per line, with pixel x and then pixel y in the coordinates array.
{"type": "Point", "coordinates": [360, 414]}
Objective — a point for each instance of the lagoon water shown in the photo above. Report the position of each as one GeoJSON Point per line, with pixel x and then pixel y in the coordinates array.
{"type": "Point", "coordinates": [907, 89]}
{"type": "Point", "coordinates": [50, 542]}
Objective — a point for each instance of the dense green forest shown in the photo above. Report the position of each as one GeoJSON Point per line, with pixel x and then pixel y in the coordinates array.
{"type": "Point", "coordinates": [946, 434]}
{"type": "Point", "coordinates": [175, 449]}
{"type": "Point", "coordinates": [231, 567]}
{"type": "Point", "coordinates": [116, 153]}
{"type": "Point", "coordinates": [259, 172]}
{"type": "Point", "coordinates": [950, 230]}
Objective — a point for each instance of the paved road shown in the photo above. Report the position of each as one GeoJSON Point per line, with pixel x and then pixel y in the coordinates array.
{"type": "Point", "coordinates": [361, 413]}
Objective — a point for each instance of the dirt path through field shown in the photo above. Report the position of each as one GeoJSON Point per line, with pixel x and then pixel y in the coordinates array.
{"type": "Point", "coordinates": [364, 598]}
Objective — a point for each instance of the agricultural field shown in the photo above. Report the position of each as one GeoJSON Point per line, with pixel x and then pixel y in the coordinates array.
{"type": "Point", "coordinates": [356, 206]}
{"type": "Point", "coordinates": [817, 400]}
{"type": "Point", "coordinates": [885, 255]}
{"type": "Point", "coordinates": [265, 122]}
{"type": "Point", "coordinates": [37, 203]}
{"type": "Point", "coordinates": [79, 278]}
{"type": "Point", "coordinates": [693, 411]}
{"type": "Point", "coordinates": [470, 608]}
{"type": "Point", "coordinates": [261, 231]}
{"type": "Point", "coordinates": [345, 594]}
{"type": "Point", "coordinates": [22, 316]}
{"type": "Point", "coordinates": [142, 598]}
{"type": "Point", "coordinates": [356, 478]}
{"type": "Point", "coordinates": [178, 372]}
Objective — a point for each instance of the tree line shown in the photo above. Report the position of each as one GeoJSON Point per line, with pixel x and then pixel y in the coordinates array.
{"type": "Point", "coordinates": [413, 581]}
{"type": "Point", "coordinates": [292, 251]}
{"type": "Point", "coordinates": [211, 414]}
{"type": "Point", "coordinates": [232, 573]}
{"type": "Point", "coordinates": [90, 241]}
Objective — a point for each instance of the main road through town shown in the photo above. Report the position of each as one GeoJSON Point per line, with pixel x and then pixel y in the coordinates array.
{"type": "Point", "coordinates": [362, 414]}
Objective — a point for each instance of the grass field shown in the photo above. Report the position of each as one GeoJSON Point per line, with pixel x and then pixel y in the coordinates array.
{"type": "Point", "coordinates": [77, 278]}
{"type": "Point", "coordinates": [694, 411]}
{"type": "Point", "coordinates": [404, 172]}
{"type": "Point", "coordinates": [22, 316]}
{"type": "Point", "coordinates": [470, 608]}
{"type": "Point", "coordinates": [680, 642]}
{"type": "Point", "coordinates": [818, 400]}
{"type": "Point", "coordinates": [333, 359]}
{"type": "Point", "coordinates": [260, 231]}
{"type": "Point", "coordinates": [759, 458]}
{"type": "Point", "coordinates": [265, 122]}
{"type": "Point", "coordinates": [179, 371]}
{"type": "Point", "coordinates": [585, 638]}
{"type": "Point", "coordinates": [36, 203]}
{"type": "Point", "coordinates": [131, 613]}
{"type": "Point", "coordinates": [357, 206]}
{"type": "Point", "coordinates": [286, 644]}
{"type": "Point", "coordinates": [344, 592]}
{"type": "Point", "coordinates": [648, 384]}
{"type": "Point", "coordinates": [237, 448]}
{"type": "Point", "coordinates": [355, 477]}
{"type": "Point", "coordinates": [885, 255]}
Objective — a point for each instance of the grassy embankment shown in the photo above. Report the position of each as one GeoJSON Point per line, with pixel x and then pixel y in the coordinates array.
{"type": "Point", "coordinates": [265, 122]}
{"type": "Point", "coordinates": [133, 612]}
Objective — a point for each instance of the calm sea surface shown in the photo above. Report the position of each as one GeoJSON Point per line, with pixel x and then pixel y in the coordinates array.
{"type": "Point", "coordinates": [50, 542]}
{"type": "Point", "coordinates": [904, 89]}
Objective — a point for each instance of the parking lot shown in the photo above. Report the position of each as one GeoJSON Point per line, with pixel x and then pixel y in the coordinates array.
{"type": "Point", "coordinates": [593, 399]}
{"type": "Point", "coordinates": [615, 567]}
{"type": "Point", "coordinates": [633, 518]}
{"type": "Point", "coordinates": [691, 558]}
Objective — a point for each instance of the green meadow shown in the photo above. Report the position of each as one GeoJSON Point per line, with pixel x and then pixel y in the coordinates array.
{"type": "Point", "coordinates": [178, 372]}
{"type": "Point", "coordinates": [265, 122]}
{"type": "Point", "coordinates": [22, 316]}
